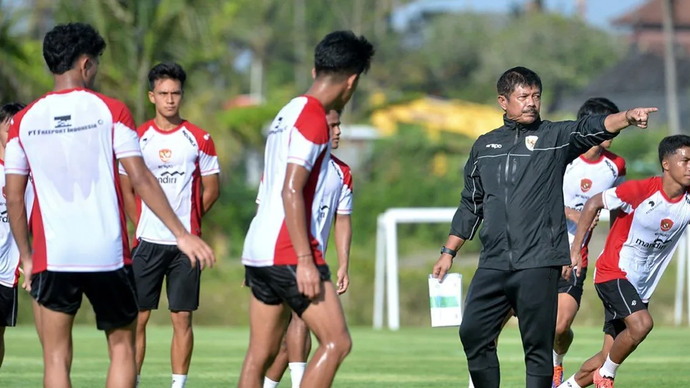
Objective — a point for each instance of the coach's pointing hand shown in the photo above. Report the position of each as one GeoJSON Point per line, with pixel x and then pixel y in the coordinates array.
{"type": "Point", "coordinates": [197, 250]}
{"type": "Point", "coordinates": [639, 116]}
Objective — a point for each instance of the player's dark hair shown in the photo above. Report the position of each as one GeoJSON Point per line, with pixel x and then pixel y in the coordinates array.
{"type": "Point", "coordinates": [66, 43]}
{"type": "Point", "coordinates": [8, 110]}
{"type": "Point", "coordinates": [517, 76]}
{"type": "Point", "coordinates": [671, 144]}
{"type": "Point", "coordinates": [167, 70]}
{"type": "Point", "coordinates": [343, 52]}
{"type": "Point", "coordinates": [597, 106]}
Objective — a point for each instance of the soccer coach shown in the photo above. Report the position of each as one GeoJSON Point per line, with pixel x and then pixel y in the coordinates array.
{"type": "Point", "coordinates": [514, 183]}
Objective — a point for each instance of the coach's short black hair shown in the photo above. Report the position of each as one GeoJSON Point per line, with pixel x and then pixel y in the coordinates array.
{"type": "Point", "coordinates": [517, 76]}
{"type": "Point", "coordinates": [343, 52]}
{"type": "Point", "coordinates": [671, 144]}
{"type": "Point", "coordinates": [66, 43]}
{"type": "Point", "coordinates": [167, 70]}
{"type": "Point", "coordinates": [597, 106]}
{"type": "Point", "coordinates": [7, 111]}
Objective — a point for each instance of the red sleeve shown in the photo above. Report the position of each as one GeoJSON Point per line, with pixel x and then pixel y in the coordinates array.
{"type": "Point", "coordinates": [618, 161]}
{"type": "Point", "coordinates": [630, 194]}
{"type": "Point", "coordinates": [310, 123]}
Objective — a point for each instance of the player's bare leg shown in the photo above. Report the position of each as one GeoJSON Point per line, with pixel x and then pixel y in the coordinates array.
{"type": "Point", "coordinates": [37, 319]}
{"type": "Point", "coordinates": [142, 321]}
{"type": "Point", "coordinates": [56, 328]}
{"type": "Point", "coordinates": [182, 342]}
{"type": "Point", "coordinates": [280, 363]}
{"type": "Point", "coordinates": [267, 324]}
{"type": "Point", "coordinates": [567, 309]}
{"type": "Point", "coordinates": [325, 318]}
{"type": "Point", "coordinates": [585, 376]}
{"type": "Point", "coordinates": [121, 349]}
{"type": "Point", "coordinates": [298, 341]}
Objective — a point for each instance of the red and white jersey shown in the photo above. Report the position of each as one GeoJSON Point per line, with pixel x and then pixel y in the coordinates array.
{"type": "Point", "coordinates": [298, 135]}
{"type": "Point", "coordinates": [70, 142]}
{"type": "Point", "coordinates": [337, 197]}
{"type": "Point", "coordinates": [9, 253]}
{"type": "Point", "coordinates": [178, 159]}
{"type": "Point", "coordinates": [642, 241]}
{"type": "Point", "coordinates": [584, 179]}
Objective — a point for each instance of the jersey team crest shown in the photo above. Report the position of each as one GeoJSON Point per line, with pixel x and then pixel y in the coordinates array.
{"type": "Point", "coordinates": [530, 142]}
{"type": "Point", "coordinates": [585, 185]}
{"type": "Point", "coordinates": [165, 155]}
{"type": "Point", "coordinates": [666, 224]}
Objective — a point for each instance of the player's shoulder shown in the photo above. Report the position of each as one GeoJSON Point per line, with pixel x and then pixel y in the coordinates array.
{"type": "Point", "coordinates": [642, 188]}
{"type": "Point", "coordinates": [113, 104]}
{"type": "Point", "coordinates": [618, 160]}
{"type": "Point", "coordinates": [145, 127]}
{"type": "Point", "coordinates": [345, 171]}
{"type": "Point", "coordinates": [198, 132]}
{"type": "Point", "coordinates": [306, 107]}
{"type": "Point", "coordinates": [342, 165]}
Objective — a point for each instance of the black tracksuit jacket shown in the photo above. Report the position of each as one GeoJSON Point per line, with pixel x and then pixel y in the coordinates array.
{"type": "Point", "coordinates": [514, 183]}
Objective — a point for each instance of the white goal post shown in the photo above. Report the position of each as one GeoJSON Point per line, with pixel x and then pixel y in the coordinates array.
{"type": "Point", "coordinates": [386, 286]}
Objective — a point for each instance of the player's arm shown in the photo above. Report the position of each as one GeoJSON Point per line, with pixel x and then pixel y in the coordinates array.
{"type": "Point", "coordinates": [589, 212]}
{"type": "Point", "coordinates": [210, 172]}
{"type": "Point", "coordinates": [211, 191]}
{"type": "Point", "coordinates": [467, 218]}
{"type": "Point", "coordinates": [343, 240]}
{"type": "Point", "coordinates": [308, 141]}
{"type": "Point", "coordinates": [128, 196]}
{"type": "Point", "coordinates": [572, 214]}
{"type": "Point", "coordinates": [16, 179]}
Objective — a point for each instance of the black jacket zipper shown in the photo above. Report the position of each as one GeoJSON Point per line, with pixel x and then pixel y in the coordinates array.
{"type": "Point", "coordinates": [511, 267]}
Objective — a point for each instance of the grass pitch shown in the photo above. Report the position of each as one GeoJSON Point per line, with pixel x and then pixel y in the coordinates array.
{"type": "Point", "coordinates": [411, 357]}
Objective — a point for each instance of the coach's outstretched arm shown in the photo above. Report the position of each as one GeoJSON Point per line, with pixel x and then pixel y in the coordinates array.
{"type": "Point", "coordinates": [584, 225]}
{"type": "Point", "coordinates": [592, 130]}
{"type": "Point", "coordinates": [148, 188]}
{"type": "Point", "coordinates": [467, 218]}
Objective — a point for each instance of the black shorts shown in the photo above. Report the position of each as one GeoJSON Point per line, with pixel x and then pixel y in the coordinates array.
{"type": "Point", "coordinates": [111, 294]}
{"type": "Point", "coordinates": [574, 286]}
{"type": "Point", "coordinates": [620, 300]}
{"type": "Point", "coordinates": [8, 306]}
{"type": "Point", "coordinates": [277, 284]}
{"type": "Point", "coordinates": [153, 262]}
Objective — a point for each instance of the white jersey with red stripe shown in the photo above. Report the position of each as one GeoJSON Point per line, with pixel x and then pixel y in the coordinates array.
{"type": "Point", "coordinates": [642, 240]}
{"type": "Point", "coordinates": [9, 254]}
{"type": "Point", "coordinates": [178, 159]}
{"type": "Point", "coordinates": [584, 179]}
{"type": "Point", "coordinates": [337, 197]}
{"type": "Point", "coordinates": [70, 142]}
{"type": "Point", "coordinates": [298, 135]}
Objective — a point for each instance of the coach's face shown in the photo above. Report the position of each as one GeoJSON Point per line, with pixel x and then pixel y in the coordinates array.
{"type": "Point", "coordinates": [523, 104]}
{"type": "Point", "coordinates": [678, 166]}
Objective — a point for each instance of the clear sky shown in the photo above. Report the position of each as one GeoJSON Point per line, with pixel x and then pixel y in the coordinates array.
{"type": "Point", "coordinates": [599, 12]}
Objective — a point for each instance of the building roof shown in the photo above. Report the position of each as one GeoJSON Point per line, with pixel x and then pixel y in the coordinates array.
{"type": "Point", "coordinates": [651, 13]}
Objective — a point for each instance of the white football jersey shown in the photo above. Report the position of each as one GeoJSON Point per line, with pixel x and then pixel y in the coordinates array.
{"type": "Point", "coordinates": [178, 159]}
{"type": "Point", "coordinates": [299, 135]}
{"type": "Point", "coordinates": [584, 179]}
{"type": "Point", "coordinates": [641, 243]}
{"type": "Point", "coordinates": [70, 142]}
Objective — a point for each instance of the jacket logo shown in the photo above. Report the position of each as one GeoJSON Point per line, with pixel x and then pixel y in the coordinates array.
{"type": "Point", "coordinates": [530, 142]}
{"type": "Point", "coordinates": [494, 146]}
{"type": "Point", "coordinates": [585, 185]}
{"type": "Point", "coordinates": [165, 155]}
{"type": "Point", "coordinates": [666, 224]}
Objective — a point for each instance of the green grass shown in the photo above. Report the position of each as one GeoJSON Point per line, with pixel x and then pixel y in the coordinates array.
{"type": "Point", "coordinates": [412, 357]}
